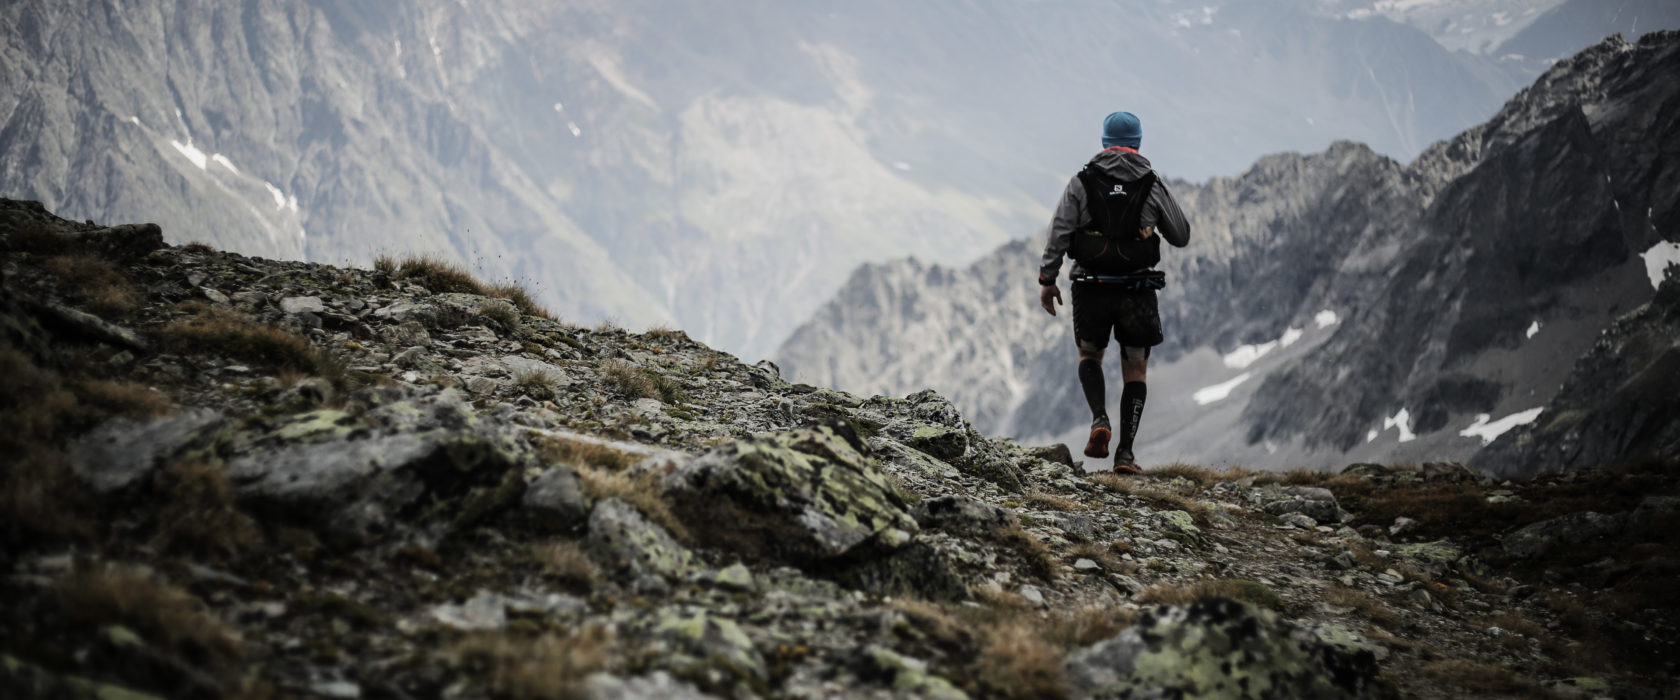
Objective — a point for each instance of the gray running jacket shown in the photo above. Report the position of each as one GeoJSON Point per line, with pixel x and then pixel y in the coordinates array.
{"type": "Point", "coordinates": [1162, 212]}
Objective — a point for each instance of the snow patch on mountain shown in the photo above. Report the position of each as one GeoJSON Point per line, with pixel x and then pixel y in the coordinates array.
{"type": "Point", "coordinates": [1658, 259]}
{"type": "Point", "coordinates": [1488, 431]}
{"type": "Point", "coordinates": [1402, 421]}
{"type": "Point", "coordinates": [1220, 391]}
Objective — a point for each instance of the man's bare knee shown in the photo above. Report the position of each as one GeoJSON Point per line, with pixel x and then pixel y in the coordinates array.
{"type": "Point", "coordinates": [1087, 353]}
{"type": "Point", "coordinates": [1134, 371]}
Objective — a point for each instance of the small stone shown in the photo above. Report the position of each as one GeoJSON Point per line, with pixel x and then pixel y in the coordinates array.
{"type": "Point", "coordinates": [1083, 564]}
{"type": "Point", "coordinates": [1032, 594]}
{"type": "Point", "coordinates": [340, 690]}
{"type": "Point", "coordinates": [302, 305]}
{"type": "Point", "coordinates": [1300, 520]}
{"type": "Point", "coordinates": [407, 333]}
{"type": "Point", "coordinates": [215, 296]}
{"type": "Point", "coordinates": [1401, 526]}
{"type": "Point", "coordinates": [481, 385]}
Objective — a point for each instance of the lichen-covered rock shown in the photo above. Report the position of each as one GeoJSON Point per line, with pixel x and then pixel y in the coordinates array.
{"type": "Point", "coordinates": [554, 501]}
{"type": "Point", "coordinates": [700, 644]}
{"type": "Point", "coordinates": [627, 541]}
{"type": "Point", "coordinates": [1575, 528]}
{"type": "Point", "coordinates": [351, 474]}
{"type": "Point", "coordinates": [121, 452]}
{"type": "Point", "coordinates": [961, 514]}
{"type": "Point", "coordinates": [1220, 648]}
{"type": "Point", "coordinates": [804, 496]}
{"type": "Point", "coordinates": [916, 570]}
{"type": "Point", "coordinates": [658, 685]}
{"type": "Point", "coordinates": [907, 675]}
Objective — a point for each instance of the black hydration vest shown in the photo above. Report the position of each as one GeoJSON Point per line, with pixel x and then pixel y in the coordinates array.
{"type": "Point", "coordinates": [1112, 242]}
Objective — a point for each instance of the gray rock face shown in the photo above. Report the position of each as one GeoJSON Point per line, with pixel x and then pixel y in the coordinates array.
{"type": "Point", "coordinates": [622, 536]}
{"type": "Point", "coordinates": [1545, 536]}
{"type": "Point", "coordinates": [554, 501]}
{"type": "Point", "coordinates": [1222, 648]}
{"type": "Point", "coordinates": [352, 474]}
{"type": "Point", "coordinates": [120, 453]}
{"type": "Point", "coordinates": [1621, 401]}
{"type": "Point", "coordinates": [805, 495]}
{"type": "Point", "coordinates": [962, 514]}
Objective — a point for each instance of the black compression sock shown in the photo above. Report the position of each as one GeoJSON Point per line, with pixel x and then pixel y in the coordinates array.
{"type": "Point", "coordinates": [1091, 380]}
{"type": "Point", "coordinates": [1131, 412]}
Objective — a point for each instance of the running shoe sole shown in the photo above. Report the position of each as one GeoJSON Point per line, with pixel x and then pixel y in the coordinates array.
{"type": "Point", "coordinates": [1097, 446]}
{"type": "Point", "coordinates": [1127, 468]}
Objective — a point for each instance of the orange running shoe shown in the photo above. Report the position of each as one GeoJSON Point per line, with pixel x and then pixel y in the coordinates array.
{"type": "Point", "coordinates": [1097, 446]}
{"type": "Point", "coordinates": [1125, 463]}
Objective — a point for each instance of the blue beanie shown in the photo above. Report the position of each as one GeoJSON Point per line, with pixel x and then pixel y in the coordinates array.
{"type": "Point", "coordinates": [1122, 129]}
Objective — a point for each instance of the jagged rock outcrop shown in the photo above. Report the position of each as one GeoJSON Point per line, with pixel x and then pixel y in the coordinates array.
{"type": "Point", "coordinates": [316, 501]}
{"type": "Point", "coordinates": [1620, 403]}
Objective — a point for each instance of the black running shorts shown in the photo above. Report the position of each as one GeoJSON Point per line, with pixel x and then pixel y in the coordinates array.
{"type": "Point", "coordinates": [1130, 315]}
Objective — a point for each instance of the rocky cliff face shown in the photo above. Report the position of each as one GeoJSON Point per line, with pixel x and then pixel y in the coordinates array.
{"type": "Point", "coordinates": [1333, 306]}
{"type": "Point", "coordinates": [230, 476]}
{"type": "Point", "coordinates": [720, 170]}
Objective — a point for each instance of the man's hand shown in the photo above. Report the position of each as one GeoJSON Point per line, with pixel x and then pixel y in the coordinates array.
{"type": "Point", "coordinates": [1047, 293]}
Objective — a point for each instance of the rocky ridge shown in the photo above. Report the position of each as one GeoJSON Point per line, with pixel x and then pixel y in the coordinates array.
{"type": "Point", "coordinates": [230, 476]}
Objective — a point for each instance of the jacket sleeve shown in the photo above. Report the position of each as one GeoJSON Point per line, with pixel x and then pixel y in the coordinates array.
{"type": "Point", "coordinates": [1170, 221]}
{"type": "Point", "coordinates": [1069, 213]}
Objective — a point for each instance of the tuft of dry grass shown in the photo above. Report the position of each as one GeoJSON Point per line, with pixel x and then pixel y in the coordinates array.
{"type": "Point", "coordinates": [1476, 677]}
{"type": "Point", "coordinates": [536, 384]}
{"type": "Point", "coordinates": [504, 315]}
{"type": "Point", "coordinates": [1087, 625]}
{"type": "Point", "coordinates": [559, 450]}
{"type": "Point", "coordinates": [549, 667]}
{"type": "Point", "coordinates": [233, 334]}
{"type": "Point", "coordinates": [1039, 499]}
{"type": "Point", "coordinates": [1235, 589]}
{"type": "Point", "coordinates": [438, 275]}
{"type": "Point", "coordinates": [198, 513]}
{"type": "Point", "coordinates": [1153, 494]}
{"type": "Point", "coordinates": [161, 613]}
{"type": "Point", "coordinates": [1016, 661]}
{"type": "Point", "coordinates": [936, 623]}
{"type": "Point", "coordinates": [516, 294]}
{"type": "Point", "coordinates": [1295, 477]}
{"type": "Point", "coordinates": [197, 247]}
{"type": "Point", "coordinates": [1201, 476]}
{"type": "Point", "coordinates": [1040, 562]}
{"type": "Point", "coordinates": [639, 491]}
{"type": "Point", "coordinates": [1363, 605]}
{"type": "Point", "coordinates": [666, 334]}
{"type": "Point", "coordinates": [566, 562]}
{"type": "Point", "coordinates": [1103, 555]}
{"type": "Point", "coordinates": [95, 283]}
{"type": "Point", "coordinates": [640, 382]}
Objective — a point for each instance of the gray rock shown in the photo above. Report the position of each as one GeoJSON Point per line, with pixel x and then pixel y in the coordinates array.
{"type": "Point", "coordinates": [302, 305]}
{"type": "Point", "coordinates": [1223, 648]}
{"type": "Point", "coordinates": [484, 611]}
{"type": "Point", "coordinates": [1401, 526]}
{"type": "Point", "coordinates": [1300, 521]}
{"type": "Point", "coordinates": [621, 536]}
{"type": "Point", "coordinates": [810, 493]}
{"type": "Point", "coordinates": [554, 502]}
{"type": "Point", "coordinates": [1324, 511]}
{"type": "Point", "coordinates": [406, 334]}
{"type": "Point", "coordinates": [1650, 509]}
{"type": "Point", "coordinates": [122, 451]}
{"type": "Point", "coordinates": [961, 514]}
{"type": "Point", "coordinates": [214, 296]}
{"type": "Point", "coordinates": [1541, 538]}
{"type": "Point", "coordinates": [1032, 594]}
{"type": "Point", "coordinates": [657, 685]}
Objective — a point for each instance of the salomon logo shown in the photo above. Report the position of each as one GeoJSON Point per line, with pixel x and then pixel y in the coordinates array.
{"type": "Point", "coordinates": [1119, 189]}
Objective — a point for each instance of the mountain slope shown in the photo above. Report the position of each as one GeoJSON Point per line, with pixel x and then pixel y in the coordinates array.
{"type": "Point", "coordinates": [1328, 300]}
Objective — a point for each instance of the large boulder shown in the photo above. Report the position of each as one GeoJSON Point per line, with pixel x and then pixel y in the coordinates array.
{"type": "Point", "coordinates": [1541, 538]}
{"type": "Point", "coordinates": [356, 475]}
{"type": "Point", "coordinates": [1225, 649]}
{"type": "Point", "coordinates": [803, 496]}
{"type": "Point", "coordinates": [122, 452]}
{"type": "Point", "coordinates": [630, 543]}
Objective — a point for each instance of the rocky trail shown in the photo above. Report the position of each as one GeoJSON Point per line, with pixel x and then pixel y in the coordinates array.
{"type": "Point", "coordinates": [235, 477]}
